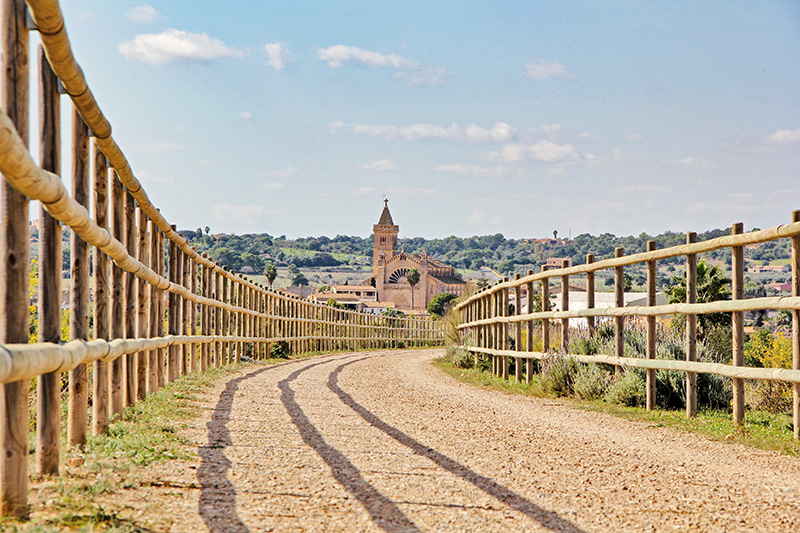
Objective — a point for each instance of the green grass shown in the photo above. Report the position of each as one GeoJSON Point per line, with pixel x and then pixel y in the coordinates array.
{"type": "Point", "coordinates": [762, 430]}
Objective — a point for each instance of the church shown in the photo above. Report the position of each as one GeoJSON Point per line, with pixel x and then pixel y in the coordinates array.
{"type": "Point", "coordinates": [390, 266]}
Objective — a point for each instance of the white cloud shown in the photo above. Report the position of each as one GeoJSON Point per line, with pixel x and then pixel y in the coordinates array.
{"type": "Point", "coordinates": [381, 164]}
{"type": "Point", "coordinates": [644, 189]}
{"type": "Point", "coordinates": [481, 218]}
{"type": "Point", "coordinates": [148, 177]}
{"type": "Point", "coordinates": [171, 46]}
{"type": "Point", "coordinates": [245, 115]}
{"type": "Point", "coordinates": [336, 56]}
{"type": "Point", "coordinates": [247, 214]}
{"type": "Point", "coordinates": [274, 186]}
{"type": "Point", "coordinates": [405, 69]}
{"type": "Point", "coordinates": [207, 163]}
{"type": "Point", "coordinates": [543, 151]}
{"type": "Point", "coordinates": [278, 55]}
{"type": "Point", "coordinates": [690, 162]}
{"type": "Point", "coordinates": [157, 148]}
{"type": "Point", "coordinates": [143, 14]}
{"type": "Point", "coordinates": [362, 191]}
{"type": "Point", "coordinates": [425, 75]}
{"type": "Point", "coordinates": [784, 137]}
{"type": "Point", "coordinates": [284, 173]}
{"type": "Point", "coordinates": [551, 128]}
{"type": "Point", "coordinates": [474, 170]}
{"type": "Point", "coordinates": [636, 137]}
{"type": "Point", "coordinates": [546, 70]}
{"type": "Point", "coordinates": [500, 132]}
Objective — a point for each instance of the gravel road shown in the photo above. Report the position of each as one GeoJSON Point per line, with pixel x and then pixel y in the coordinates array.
{"type": "Point", "coordinates": [384, 441]}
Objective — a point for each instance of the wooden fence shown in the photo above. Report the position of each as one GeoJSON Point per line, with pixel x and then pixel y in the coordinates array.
{"type": "Point", "coordinates": [160, 309]}
{"type": "Point", "coordinates": [487, 322]}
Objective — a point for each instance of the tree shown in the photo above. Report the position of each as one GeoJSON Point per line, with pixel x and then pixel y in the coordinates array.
{"type": "Point", "coordinates": [333, 303]}
{"type": "Point", "coordinates": [412, 277]}
{"type": "Point", "coordinates": [208, 230]}
{"type": "Point", "coordinates": [270, 272]}
{"type": "Point", "coordinates": [299, 279]}
{"type": "Point", "coordinates": [441, 304]}
{"type": "Point", "coordinates": [482, 283]}
{"type": "Point", "coordinates": [712, 285]}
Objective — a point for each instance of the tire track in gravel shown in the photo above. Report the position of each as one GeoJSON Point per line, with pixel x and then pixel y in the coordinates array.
{"type": "Point", "coordinates": [503, 494]}
{"type": "Point", "coordinates": [383, 441]}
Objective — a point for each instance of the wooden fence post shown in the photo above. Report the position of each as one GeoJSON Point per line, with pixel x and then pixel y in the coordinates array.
{"type": "Point", "coordinates": [619, 301]}
{"type": "Point", "coordinates": [186, 303]}
{"type": "Point", "coordinates": [225, 350]}
{"type": "Point", "coordinates": [691, 328]}
{"type": "Point", "coordinates": [172, 312]}
{"type": "Point", "coordinates": [796, 327]}
{"type": "Point", "coordinates": [142, 307]}
{"type": "Point", "coordinates": [131, 284]}
{"type": "Point", "coordinates": [79, 289]}
{"type": "Point", "coordinates": [102, 290]}
{"type": "Point", "coordinates": [651, 329]}
{"type": "Point", "coordinates": [160, 355]}
{"type": "Point", "coordinates": [590, 294]}
{"type": "Point", "coordinates": [565, 307]}
{"type": "Point", "coordinates": [14, 274]}
{"type": "Point", "coordinates": [545, 308]}
{"type": "Point", "coordinates": [152, 355]}
{"type": "Point", "coordinates": [193, 347]}
{"type": "Point", "coordinates": [217, 319]}
{"type": "Point", "coordinates": [529, 333]}
{"type": "Point", "coordinates": [737, 291]}
{"type": "Point", "coordinates": [116, 398]}
{"type": "Point", "coordinates": [517, 330]}
{"type": "Point", "coordinates": [48, 397]}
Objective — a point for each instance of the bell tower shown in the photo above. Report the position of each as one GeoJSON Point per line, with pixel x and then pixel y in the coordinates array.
{"type": "Point", "coordinates": [385, 233]}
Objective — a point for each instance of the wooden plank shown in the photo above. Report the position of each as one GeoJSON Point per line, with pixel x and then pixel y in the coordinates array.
{"type": "Point", "coordinates": [131, 287]}
{"type": "Point", "coordinates": [102, 291]}
{"type": "Point", "coordinates": [650, 382]}
{"type": "Point", "coordinates": [14, 275]}
{"type": "Point", "coordinates": [77, 418]}
{"type": "Point", "coordinates": [48, 397]}
{"type": "Point", "coordinates": [160, 354]}
{"type": "Point", "coordinates": [193, 348]}
{"type": "Point", "coordinates": [517, 330]}
{"type": "Point", "coordinates": [691, 328]}
{"type": "Point", "coordinates": [737, 292]}
{"type": "Point", "coordinates": [186, 313]}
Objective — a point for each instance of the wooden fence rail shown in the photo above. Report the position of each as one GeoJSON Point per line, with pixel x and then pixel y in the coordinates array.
{"type": "Point", "coordinates": [485, 317]}
{"type": "Point", "coordinates": [160, 308]}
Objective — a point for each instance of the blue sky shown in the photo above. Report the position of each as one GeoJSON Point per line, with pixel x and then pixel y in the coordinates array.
{"type": "Point", "coordinates": [472, 117]}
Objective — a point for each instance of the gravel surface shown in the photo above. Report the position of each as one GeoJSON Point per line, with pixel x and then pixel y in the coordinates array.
{"type": "Point", "coordinates": [384, 441]}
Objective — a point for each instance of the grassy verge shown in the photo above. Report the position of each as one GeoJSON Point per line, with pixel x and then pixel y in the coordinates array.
{"type": "Point", "coordinates": [147, 436]}
{"type": "Point", "coordinates": [766, 431]}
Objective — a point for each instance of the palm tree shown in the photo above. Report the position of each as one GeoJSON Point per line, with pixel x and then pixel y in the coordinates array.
{"type": "Point", "coordinates": [412, 277]}
{"type": "Point", "coordinates": [712, 285]}
{"type": "Point", "coordinates": [271, 273]}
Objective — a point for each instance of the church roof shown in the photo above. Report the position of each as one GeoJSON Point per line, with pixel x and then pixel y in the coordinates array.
{"type": "Point", "coordinates": [386, 216]}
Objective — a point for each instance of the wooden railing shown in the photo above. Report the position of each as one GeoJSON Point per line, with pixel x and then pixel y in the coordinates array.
{"type": "Point", "coordinates": [213, 316]}
{"type": "Point", "coordinates": [486, 320]}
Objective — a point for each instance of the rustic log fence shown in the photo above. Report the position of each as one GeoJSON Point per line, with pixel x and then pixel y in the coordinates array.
{"type": "Point", "coordinates": [146, 277]}
{"type": "Point", "coordinates": [485, 316]}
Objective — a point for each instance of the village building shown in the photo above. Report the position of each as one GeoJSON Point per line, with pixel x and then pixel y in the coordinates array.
{"type": "Point", "coordinates": [390, 266]}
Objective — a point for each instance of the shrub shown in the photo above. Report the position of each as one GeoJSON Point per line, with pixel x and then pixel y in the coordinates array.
{"type": "Point", "coordinates": [558, 375]}
{"type": "Point", "coordinates": [280, 350]}
{"type": "Point", "coordinates": [627, 389]}
{"type": "Point", "coordinates": [460, 358]}
{"type": "Point", "coordinates": [590, 382]}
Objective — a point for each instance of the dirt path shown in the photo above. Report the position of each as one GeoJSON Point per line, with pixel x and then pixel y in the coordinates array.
{"type": "Point", "coordinates": [383, 441]}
